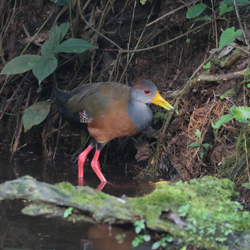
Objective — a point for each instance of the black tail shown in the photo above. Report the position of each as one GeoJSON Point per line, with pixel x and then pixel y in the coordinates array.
{"type": "Point", "coordinates": [61, 99]}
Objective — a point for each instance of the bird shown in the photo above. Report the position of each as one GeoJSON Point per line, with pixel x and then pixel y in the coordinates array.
{"type": "Point", "coordinates": [108, 110]}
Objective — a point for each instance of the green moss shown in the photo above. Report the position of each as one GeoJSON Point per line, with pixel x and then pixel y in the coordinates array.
{"type": "Point", "coordinates": [233, 167]}
{"type": "Point", "coordinates": [79, 194]}
{"type": "Point", "coordinates": [205, 205]}
{"type": "Point", "coordinates": [218, 61]}
{"type": "Point", "coordinates": [211, 216]}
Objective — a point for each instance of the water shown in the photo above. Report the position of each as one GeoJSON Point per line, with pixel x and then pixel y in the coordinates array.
{"type": "Point", "coordinates": [18, 231]}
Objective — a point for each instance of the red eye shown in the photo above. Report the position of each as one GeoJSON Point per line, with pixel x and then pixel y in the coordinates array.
{"type": "Point", "coordinates": [147, 92]}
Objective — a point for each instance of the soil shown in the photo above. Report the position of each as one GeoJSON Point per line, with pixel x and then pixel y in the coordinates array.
{"type": "Point", "coordinates": [170, 66]}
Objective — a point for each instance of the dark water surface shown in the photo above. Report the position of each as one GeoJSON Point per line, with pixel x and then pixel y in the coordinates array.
{"type": "Point", "coordinates": [18, 231]}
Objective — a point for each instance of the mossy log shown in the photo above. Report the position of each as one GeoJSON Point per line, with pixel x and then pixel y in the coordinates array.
{"type": "Point", "coordinates": [199, 213]}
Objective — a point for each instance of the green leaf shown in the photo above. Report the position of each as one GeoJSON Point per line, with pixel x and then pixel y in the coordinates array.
{"type": "Point", "coordinates": [138, 229]}
{"type": "Point", "coordinates": [241, 112]}
{"type": "Point", "coordinates": [198, 133]}
{"type": "Point", "coordinates": [204, 18]}
{"type": "Point", "coordinates": [35, 114]}
{"type": "Point", "coordinates": [20, 64]}
{"type": "Point", "coordinates": [146, 237]}
{"type": "Point", "coordinates": [143, 1]}
{"type": "Point", "coordinates": [238, 33]}
{"type": "Point", "coordinates": [83, 57]}
{"type": "Point", "coordinates": [47, 49]}
{"type": "Point", "coordinates": [246, 185]}
{"type": "Point", "coordinates": [135, 243]}
{"type": "Point", "coordinates": [201, 153]}
{"type": "Point", "coordinates": [55, 38]}
{"type": "Point", "coordinates": [60, 2]}
{"type": "Point", "coordinates": [184, 248]}
{"type": "Point", "coordinates": [44, 67]}
{"type": "Point", "coordinates": [206, 145]}
{"type": "Point", "coordinates": [242, 120]}
{"type": "Point", "coordinates": [64, 27]}
{"type": "Point", "coordinates": [220, 239]}
{"type": "Point", "coordinates": [229, 36]}
{"type": "Point", "coordinates": [156, 245]}
{"type": "Point", "coordinates": [232, 108]}
{"type": "Point", "coordinates": [56, 35]}
{"type": "Point", "coordinates": [207, 66]}
{"type": "Point", "coordinates": [224, 9]}
{"type": "Point", "coordinates": [140, 224]}
{"type": "Point", "coordinates": [67, 212]}
{"type": "Point", "coordinates": [239, 2]}
{"type": "Point", "coordinates": [169, 238]}
{"type": "Point", "coordinates": [118, 237]}
{"type": "Point", "coordinates": [73, 45]}
{"type": "Point", "coordinates": [222, 120]}
{"type": "Point", "coordinates": [227, 93]}
{"type": "Point", "coordinates": [160, 115]}
{"type": "Point", "coordinates": [183, 210]}
{"type": "Point", "coordinates": [164, 244]}
{"type": "Point", "coordinates": [194, 144]}
{"type": "Point", "coordinates": [196, 10]}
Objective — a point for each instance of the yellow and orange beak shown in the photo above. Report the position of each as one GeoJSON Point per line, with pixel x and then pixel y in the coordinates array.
{"type": "Point", "coordinates": [160, 101]}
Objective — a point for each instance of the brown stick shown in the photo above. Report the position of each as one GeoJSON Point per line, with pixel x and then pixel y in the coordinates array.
{"type": "Point", "coordinates": [9, 101]}
{"type": "Point", "coordinates": [14, 148]}
{"type": "Point", "coordinates": [229, 76]}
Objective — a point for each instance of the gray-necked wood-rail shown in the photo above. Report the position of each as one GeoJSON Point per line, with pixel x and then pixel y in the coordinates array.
{"type": "Point", "coordinates": [108, 110]}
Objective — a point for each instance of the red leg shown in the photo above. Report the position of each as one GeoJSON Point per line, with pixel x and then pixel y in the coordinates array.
{"type": "Point", "coordinates": [80, 181]}
{"type": "Point", "coordinates": [81, 160]}
{"type": "Point", "coordinates": [96, 166]}
{"type": "Point", "coordinates": [101, 186]}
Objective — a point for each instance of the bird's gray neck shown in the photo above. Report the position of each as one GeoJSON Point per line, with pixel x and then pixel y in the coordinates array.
{"type": "Point", "coordinates": [140, 114]}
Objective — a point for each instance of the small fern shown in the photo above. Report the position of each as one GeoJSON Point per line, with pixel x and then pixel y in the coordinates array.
{"type": "Point", "coordinates": [241, 112]}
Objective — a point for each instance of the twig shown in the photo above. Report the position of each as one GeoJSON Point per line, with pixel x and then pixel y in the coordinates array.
{"type": "Point", "coordinates": [58, 136]}
{"type": "Point", "coordinates": [137, 45]}
{"type": "Point", "coordinates": [28, 35]}
{"type": "Point", "coordinates": [91, 27]}
{"type": "Point", "coordinates": [190, 82]}
{"type": "Point", "coordinates": [65, 7]}
{"type": "Point", "coordinates": [215, 25]}
{"type": "Point", "coordinates": [5, 29]}
{"type": "Point", "coordinates": [15, 146]}
{"type": "Point", "coordinates": [240, 48]}
{"type": "Point", "coordinates": [176, 38]}
{"type": "Point", "coordinates": [229, 76]}
{"type": "Point", "coordinates": [170, 13]}
{"type": "Point", "coordinates": [129, 40]}
{"type": "Point", "coordinates": [32, 39]}
{"type": "Point", "coordinates": [238, 16]}
{"type": "Point", "coordinates": [169, 41]}
{"type": "Point", "coordinates": [9, 101]}
{"type": "Point", "coordinates": [248, 172]}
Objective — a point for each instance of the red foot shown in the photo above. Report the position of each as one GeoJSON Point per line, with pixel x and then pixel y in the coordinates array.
{"type": "Point", "coordinates": [96, 166]}
{"type": "Point", "coordinates": [101, 186]}
{"type": "Point", "coordinates": [81, 160]}
{"type": "Point", "coordinates": [80, 181]}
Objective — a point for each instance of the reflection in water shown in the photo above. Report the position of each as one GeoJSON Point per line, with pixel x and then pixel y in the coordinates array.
{"type": "Point", "coordinates": [103, 238]}
{"type": "Point", "coordinates": [18, 231]}
{"type": "Point", "coordinates": [23, 232]}
{"type": "Point", "coordinates": [32, 163]}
